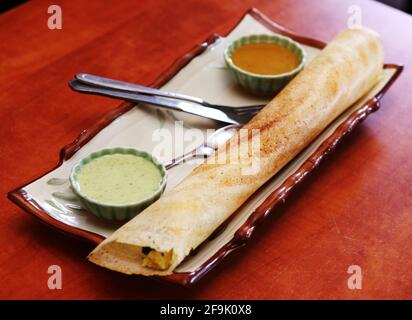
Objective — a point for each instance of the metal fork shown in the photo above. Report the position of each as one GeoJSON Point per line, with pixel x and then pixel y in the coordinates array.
{"type": "Point", "coordinates": [207, 149]}
{"type": "Point", "coordinates": [88, 83]}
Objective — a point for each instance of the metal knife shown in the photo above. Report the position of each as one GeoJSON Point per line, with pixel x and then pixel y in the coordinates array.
{"type": "Point", "coordinates": [175, 105]}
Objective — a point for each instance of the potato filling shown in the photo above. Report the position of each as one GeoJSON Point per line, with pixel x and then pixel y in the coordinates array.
{"type": "Point", "coordinates": [155, 259]}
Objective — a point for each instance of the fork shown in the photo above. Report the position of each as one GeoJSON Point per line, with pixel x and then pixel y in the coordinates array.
{"type": "Point", "coordinates": [97, 82]}
{"type": "Point", "coordinates": [207, 149]}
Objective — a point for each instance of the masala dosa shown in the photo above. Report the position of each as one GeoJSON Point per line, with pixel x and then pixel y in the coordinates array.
{"type": "Point", "coordinates": [160, 237]}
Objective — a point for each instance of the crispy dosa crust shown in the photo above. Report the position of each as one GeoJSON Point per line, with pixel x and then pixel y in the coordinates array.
{"type": "Point", "coordinates": [185, 216]}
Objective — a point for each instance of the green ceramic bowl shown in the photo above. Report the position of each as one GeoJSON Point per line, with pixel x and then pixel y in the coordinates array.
{"type": "Point", "coordinates": [116, 211]}
{"type": "Point", "coordinates": [258, 83]}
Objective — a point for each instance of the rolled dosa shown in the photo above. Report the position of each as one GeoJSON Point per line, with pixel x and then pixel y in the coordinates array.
{"type": "Point", "coordinates": [160, 237]}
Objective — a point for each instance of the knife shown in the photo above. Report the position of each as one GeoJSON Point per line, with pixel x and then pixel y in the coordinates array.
{"type": "Point", "coordinates": [175, 105]}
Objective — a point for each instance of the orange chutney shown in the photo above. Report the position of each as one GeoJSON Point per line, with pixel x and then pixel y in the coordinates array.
{"type": "Point", "coordinates": [265, 58]}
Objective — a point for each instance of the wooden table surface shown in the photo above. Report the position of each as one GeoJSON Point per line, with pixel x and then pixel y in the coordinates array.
{"type": "Point", "coordinates": [356, 209]}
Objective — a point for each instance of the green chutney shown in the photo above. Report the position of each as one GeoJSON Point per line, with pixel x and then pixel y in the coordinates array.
{"type": "Point", "coordinates": [119, 179]}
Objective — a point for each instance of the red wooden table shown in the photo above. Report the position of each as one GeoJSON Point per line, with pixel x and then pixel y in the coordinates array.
{"type": "Point", "coordinates": [356, 209]}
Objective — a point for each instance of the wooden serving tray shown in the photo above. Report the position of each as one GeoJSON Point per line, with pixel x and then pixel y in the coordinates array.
{"type": "Point", "coordinates": [200, 73]}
